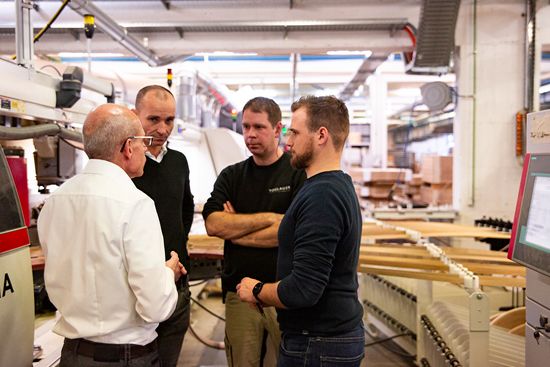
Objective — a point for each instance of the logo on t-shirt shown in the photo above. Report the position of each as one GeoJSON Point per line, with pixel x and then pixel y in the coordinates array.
{"type": "Point", "coordinates": [275, 190]}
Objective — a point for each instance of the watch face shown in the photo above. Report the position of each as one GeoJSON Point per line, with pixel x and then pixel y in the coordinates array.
{"type": "Point", "coordinates": [257, 288]}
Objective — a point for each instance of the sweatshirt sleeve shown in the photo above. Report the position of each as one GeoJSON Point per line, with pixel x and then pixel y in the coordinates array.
{"type": "Point", "coordinates": [219, 195]}
{"type": "Point", "coordinates": [318, 229]}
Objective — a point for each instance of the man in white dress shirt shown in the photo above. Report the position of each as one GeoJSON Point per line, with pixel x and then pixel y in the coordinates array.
{"type": "Point", "coordinates": [105, 270]}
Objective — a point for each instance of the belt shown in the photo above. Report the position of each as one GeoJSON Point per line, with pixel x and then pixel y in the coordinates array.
{"type": "Point", "coordinates": [110, 352]}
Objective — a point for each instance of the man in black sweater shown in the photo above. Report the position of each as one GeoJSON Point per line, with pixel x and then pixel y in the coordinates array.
{"type": "Point", "coordinates": [245, 208]}
{"type": "Point", "coordinates": [166, 180]}
{"type": "Point", "coordinates": [316, 293]}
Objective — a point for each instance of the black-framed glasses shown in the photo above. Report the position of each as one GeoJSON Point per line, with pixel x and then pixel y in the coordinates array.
{"type": "Point", "coordinates": [147, 141]}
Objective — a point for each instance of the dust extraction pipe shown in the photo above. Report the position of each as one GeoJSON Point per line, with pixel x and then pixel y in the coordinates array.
{"type": "Point", "coordinates": [36, 131]}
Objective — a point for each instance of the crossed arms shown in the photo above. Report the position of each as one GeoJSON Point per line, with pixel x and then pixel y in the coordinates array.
{"type": "Point", "coordinates": [253, 230]}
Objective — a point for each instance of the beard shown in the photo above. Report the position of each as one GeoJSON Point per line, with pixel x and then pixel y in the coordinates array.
{"type": "Point", "coordinates": [302, 161]}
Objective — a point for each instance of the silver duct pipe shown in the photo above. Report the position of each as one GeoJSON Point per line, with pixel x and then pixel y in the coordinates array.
{"type": "Point", "coordinates": [186, 107]}
{"type": "Point", "coordinates": [36, 131]}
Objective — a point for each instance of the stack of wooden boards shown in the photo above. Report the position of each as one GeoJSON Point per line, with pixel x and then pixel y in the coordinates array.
{"type": "Point", "coordinates": [413, 260]}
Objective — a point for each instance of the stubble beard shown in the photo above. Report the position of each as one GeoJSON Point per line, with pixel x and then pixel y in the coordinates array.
{"type": "Point", "coordinates": [302, 161]}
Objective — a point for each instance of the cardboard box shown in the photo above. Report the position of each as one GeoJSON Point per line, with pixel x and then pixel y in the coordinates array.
{"type": "Point", "coordinates": [386, 175]}
{"type": "Point", "coordinates": [416, 180]}
{"type": "Point", "coordinates": [437, 194]}
{"type": "Point", "coordinates": [437, 169]}
{"type": "Point", "coordinates": [355, 138]}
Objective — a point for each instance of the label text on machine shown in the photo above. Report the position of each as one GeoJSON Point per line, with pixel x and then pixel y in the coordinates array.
{"type": "Point", "coordinates": [6, 286]}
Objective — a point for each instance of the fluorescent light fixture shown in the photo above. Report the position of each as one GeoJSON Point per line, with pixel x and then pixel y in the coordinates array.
{"type": "Point", "coordinates": [226, 53]}
{"type": "Point", "coordinates": [93, 54]}
{"type": "Point", "coordinates": [367, 53]}
{"type": "Point", "coordinates": [544, 89]}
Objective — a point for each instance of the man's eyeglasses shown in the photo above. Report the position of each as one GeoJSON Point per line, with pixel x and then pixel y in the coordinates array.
{"type": "Point", "coordinates": [147, 141]}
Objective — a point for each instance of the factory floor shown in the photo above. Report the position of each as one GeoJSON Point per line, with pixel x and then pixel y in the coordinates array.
{"type": "Point", "coordinates": [196, 354]}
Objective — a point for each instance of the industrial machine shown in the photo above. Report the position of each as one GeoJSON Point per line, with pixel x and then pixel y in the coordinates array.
{"type": "Point", "coordinates": [530, 243]}
{"type": "Point", "coordinates": [16, 287]}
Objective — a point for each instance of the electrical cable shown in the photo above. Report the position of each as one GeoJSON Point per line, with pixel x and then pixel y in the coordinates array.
{"type": "Point", "coordinates": [50, 22]}
{"type": "Point", "coordinates": [208, 342]}
{"type": "Point", "coordinates": [386, 339]}
{"type": "Point", "coordinates": [207, 310]}
{"type": "Point", "coordinates": [198, 283]}
{"type": "Point", "coordinates": [51, 66]}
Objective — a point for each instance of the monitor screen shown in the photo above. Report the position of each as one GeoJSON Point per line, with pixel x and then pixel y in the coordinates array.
{"type": "Point", "coordinates": [537, 231]}
{"type": "Point", "coordinates": [530, 243]}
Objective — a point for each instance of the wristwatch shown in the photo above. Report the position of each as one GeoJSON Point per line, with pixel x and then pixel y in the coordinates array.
{"type": "Point", "coordinates": [256, 291]}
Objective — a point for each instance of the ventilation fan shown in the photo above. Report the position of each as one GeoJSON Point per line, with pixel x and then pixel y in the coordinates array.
{"type": "Point", "coordinates": [436, 95]}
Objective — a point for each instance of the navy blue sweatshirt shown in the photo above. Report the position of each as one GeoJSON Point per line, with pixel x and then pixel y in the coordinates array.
{"type": "Point", "coordinates": [319, 241]}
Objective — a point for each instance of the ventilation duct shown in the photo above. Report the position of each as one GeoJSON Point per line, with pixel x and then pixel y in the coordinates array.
{"type": "Point", "coordinates": [435, 40]}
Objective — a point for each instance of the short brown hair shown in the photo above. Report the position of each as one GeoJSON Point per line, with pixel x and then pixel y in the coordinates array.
{"type": "Point", "coordinates": [267, 105]}
{"type": "Point", "coordinates": [161, 92]}
{"type": "Point", "coordinates": [327, 111]}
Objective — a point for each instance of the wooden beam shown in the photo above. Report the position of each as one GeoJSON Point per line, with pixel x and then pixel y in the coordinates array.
{"type": "Point", "coordinates": [424, 264]}
{"type": "Point", "coordinates": [443, 277]}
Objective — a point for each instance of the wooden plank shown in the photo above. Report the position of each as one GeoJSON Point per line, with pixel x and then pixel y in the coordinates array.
{"type": "Point", "coordinates": [416, 251]}
{"type": "Point", "coordinates": [443, 277]}
{"type": "Point", "coordinates": [471, 251]}
{"type": "Point", "coordinates": [425, 264]}
{"type": "Point", "coordinates": [482, 259]}
{"type": "Point", "coordinates": [486, 280]}
{"type": "Point", "coordinates": [425, 275]}
{"type": "Point", "coordinates": [438, 229]}
{"type": "Point", "coordinates": [495, 269]}
{"type": "Point", "coordinates": [205, 246]}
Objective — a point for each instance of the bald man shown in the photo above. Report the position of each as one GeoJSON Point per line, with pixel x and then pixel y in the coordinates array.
{"type": "Point", "coordinates": [105, 268]}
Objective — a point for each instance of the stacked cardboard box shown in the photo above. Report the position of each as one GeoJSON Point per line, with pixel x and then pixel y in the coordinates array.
{"type": "Point", "coordinates": [413, 187]}
{"type": "Point", "coordinates": [377, 185]}
{"type": "Point", "coordinates": [437, 174]}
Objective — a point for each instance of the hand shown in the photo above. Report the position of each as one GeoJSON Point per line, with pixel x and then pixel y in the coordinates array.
{"type": "Point", "coordinates": [228, 208]}
{"type": "Point", "coordinates": [244, 290]}
{"type": "Point", "coordinates": [177, 267]}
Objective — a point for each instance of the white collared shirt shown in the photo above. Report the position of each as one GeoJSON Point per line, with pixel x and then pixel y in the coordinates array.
{"type": "Point", "coordinates": [158, 159]}
{"type": "Point", "coordinates": [105, 270]}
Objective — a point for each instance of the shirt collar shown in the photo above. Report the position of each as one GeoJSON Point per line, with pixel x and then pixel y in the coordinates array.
{"type": "Point", "coordinates": [100, 166]}
{"type": "Point", "coordinates": [158, 159]}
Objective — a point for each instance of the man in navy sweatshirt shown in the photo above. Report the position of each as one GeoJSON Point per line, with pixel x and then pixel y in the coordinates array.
{"type": "Point", "coordinates": [318, 309]}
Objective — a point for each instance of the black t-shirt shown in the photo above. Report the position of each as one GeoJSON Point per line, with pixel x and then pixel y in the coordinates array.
{"type": "Point", "coordinates": [252, 189]}
{"type": "Point", "coordinates": [167, 183]}
{"type": "Point", "coordinates": [319, 241]}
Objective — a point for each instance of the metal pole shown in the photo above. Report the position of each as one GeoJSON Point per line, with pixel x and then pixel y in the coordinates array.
{"type": "Point", "coordinates": [24, 33]}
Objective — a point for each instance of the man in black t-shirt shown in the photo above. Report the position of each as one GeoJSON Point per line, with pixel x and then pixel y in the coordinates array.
{"type": "Point", "coordinates": [166, 180]}
{"type": "Point", "coordinates": [245, 208]}
{"type": "Point", "coordinates": [316, 291]}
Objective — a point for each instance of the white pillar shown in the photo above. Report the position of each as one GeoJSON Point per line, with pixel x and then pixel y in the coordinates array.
{"type": "Point", "coordinates": [378, 91]}
{"type": "Point", "coordinates": [486, 171]}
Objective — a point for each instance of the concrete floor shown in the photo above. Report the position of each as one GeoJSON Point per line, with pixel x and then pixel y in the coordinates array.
{"type": "Point", "coordinates": [196, 354]}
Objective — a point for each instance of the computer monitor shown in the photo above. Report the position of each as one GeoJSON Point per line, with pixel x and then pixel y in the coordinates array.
{"type": "Point", "coordinates": [530, 241]}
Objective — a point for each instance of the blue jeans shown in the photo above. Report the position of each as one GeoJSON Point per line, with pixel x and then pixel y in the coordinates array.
{"type": "Point", "coordinates": [343, 350]}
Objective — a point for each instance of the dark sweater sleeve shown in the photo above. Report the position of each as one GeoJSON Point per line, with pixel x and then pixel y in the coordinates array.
{"type": "Point", "coordinates": [220, 194]}
{"type": "Point", "coordinates": [188, 205]}
{"type": "Point", "coordinates": [318, 228]}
